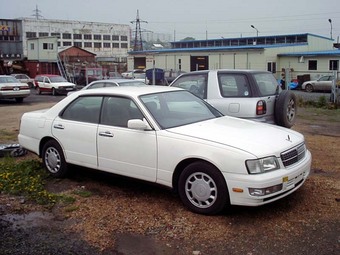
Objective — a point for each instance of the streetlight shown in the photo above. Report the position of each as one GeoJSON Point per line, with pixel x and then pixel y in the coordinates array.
{"type": "Point", "coordinates": [330, 22]}
{"type": "Point", "coordinates": [257, 31]}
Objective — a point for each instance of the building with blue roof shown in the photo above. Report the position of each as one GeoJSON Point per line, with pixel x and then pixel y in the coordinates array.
{"type": "Point", "coordinates": [303, 54]}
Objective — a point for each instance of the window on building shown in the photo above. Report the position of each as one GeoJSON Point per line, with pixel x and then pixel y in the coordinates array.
{"type": "Point", "coordinates": [31, 34]}
{"type": "Point", "coordinates": [312, 65]}
{"type": "Point", "coordinates": [124, 45]}
{"type": "Point", "coordinates": [32, 46]}
{"type": "Point", "coordinates": [334, 65]}
{"type": "Point", "coordinates": [78, 44]}
{"type": "Point", "coordinates": [66, 36]}
{"type": "Point", "coordinates": [42, 34]}
{"type": "Point", "coordinates": [106, 37]}
{"type": "Point", "coordinates": [88, 37]}
{"type": "Point", "coordinates": [115, 45]}
{"type": "Point", "coordinates": [87, 44]}
{"type": "Point", "coordinates": [97, 45]}
{"type": "Point", "coordinates": [271, 67]}
{"type": "Point", "coordinates": [48, 46]}
{"type": "Point", "coordinates": [67, 43]}
{"type": "Point", "coordinates": [115, 38]}
{"type": "Point", "coordinates": [97, 37]}
{"type": "Point", "coordinates": [123, 59]}
{"type": "Point", "coordinates": [123, 38]}
{"type": "Point", "coordinates": [77, 36]}
{"type": "Point", "coordinates": [55, 34]}
{"type": "Point", "coordinates": [107, 45]}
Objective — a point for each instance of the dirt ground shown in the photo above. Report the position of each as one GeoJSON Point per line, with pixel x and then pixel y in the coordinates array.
{"type": "Point", "coordinates": [124, 216]}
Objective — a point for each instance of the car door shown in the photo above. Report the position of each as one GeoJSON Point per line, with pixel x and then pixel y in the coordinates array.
{"type": "Point", "coordinates": [122, 150]}
{"type": "Point", "coordinates": [76, 130]}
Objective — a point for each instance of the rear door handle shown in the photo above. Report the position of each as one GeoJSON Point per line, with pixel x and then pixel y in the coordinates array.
{"type": "Point", "coordinates": [58, 126]}
{"type": "Point", "coordinates": [106, 134]}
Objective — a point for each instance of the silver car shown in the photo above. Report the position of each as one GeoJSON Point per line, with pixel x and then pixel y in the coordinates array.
{"type": "Point", "coordinates": [324, 83]}
{"type": "Point", "coordinates": [11, 88]}
{"type": "Point", "coordinates": [247, 94]}
{"type": "Point", "coordinates": [23, 78]}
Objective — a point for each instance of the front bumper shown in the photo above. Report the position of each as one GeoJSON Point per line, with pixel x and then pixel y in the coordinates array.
{"type": "Point", "coordinates": [290, 178]}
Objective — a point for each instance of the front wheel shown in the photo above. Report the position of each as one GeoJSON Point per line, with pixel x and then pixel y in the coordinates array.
{"type": "Point", "coordinates": [202, 188]}
{"type": "Point", "coordinates": [54, 160]}
{"type": "Point", "coordinates": [309, 88]}
{"type": "Point", "coordinates": [38, 90]}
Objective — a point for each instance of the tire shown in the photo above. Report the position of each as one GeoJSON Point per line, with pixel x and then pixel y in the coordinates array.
{"type": "Point", "coordinates": [309, 88]}
{"type": "Point", "coordinates": [54, 160]}
{"type": "Point", "coordinates": [202, 189]}
{"type": "Point", "coordinates": [30, 85]}
{"type": "Point", "coordinates": [38, 90]}
{"type": "Point", "coordinates": [19, 99]}
{"type": "Point", "coordinates": [286, 109]}
{"type": "Point", "coordinates": [54, 92]}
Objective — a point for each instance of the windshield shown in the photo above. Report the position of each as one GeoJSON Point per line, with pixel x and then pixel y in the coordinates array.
{"type": "Point", "coordinates": [8, 79]}
{"type": "Point", "coordinates": [173, 109]}
{"type": "Point", "coordinates": [57, 79]}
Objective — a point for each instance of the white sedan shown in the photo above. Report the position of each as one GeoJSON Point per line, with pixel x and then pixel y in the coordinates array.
{"type": "Point", "coordinates": [169, 136]}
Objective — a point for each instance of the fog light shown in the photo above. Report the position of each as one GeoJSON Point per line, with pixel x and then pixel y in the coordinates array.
{"type": "Point", "coordinates": [264, 191]}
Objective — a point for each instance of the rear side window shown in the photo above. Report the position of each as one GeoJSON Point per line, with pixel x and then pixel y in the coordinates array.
{"type": "Point", "coordinates": [83, 109]}
{"type": "Point", "coordinates": [234, 85]}
{"type": "Point", "coordinates": [196, 84]}
{"type": "Point", "coordinates": [267, 83]}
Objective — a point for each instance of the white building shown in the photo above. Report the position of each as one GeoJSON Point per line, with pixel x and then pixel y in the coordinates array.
{"type": "Point", "coordinates": [108, 41]}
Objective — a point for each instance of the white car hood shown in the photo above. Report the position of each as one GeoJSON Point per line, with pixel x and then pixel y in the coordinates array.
{"type": "Point", "coordinates": [253, 137]}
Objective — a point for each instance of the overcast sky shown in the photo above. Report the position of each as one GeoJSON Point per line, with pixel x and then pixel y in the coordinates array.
{"type": "Point", "coordinates": [194, 18]}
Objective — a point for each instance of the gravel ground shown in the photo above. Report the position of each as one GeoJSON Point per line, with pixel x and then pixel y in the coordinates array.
{"type": "Point", "coordinates": [125, 217]}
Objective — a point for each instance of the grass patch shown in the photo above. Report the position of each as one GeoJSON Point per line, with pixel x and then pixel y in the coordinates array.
{"type": "Point", "coordinates": [8, 135]}
{"type": "Point", "coordinates": [25, 178]}
{"type": "Point", "coordinates": [82, 193]}
{"type": "Point", "coordinates": [314, 114]}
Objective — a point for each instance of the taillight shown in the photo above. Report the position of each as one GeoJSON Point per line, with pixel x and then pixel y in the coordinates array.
{"type": "Point", "coordinates": [261, 107]}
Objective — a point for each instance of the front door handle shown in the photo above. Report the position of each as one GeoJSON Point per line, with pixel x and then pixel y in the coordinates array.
{"type": "Point", "coordinates": [106, 134]}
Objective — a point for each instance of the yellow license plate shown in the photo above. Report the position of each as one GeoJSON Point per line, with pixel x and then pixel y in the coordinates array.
{"type": "Point", "coordinates": [285, 179]}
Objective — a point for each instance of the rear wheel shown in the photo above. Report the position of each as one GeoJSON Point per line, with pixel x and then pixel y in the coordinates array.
{"type": "Point", "coordinates": [309, 88]}
{"type": "Point", "coordinates": [286, 109]}
{"type": "Point", "coordinates": [53, 159]}
{"type": "Point", "coordinates": [202, 188]}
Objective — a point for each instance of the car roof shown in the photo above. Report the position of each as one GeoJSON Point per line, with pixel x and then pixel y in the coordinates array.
{"type": "Point", "coordinates": [134, 91]}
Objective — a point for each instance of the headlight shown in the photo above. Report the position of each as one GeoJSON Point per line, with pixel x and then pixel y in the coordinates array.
{"type": "Point", "coordinates": [263, 165]}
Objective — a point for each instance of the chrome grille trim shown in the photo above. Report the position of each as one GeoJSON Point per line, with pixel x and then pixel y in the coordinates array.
{"type": "Point", "coordinates": [293, 155]}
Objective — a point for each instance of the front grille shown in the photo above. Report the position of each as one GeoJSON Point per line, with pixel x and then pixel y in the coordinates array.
{"type": "Point", "coordinates": [294, 155]}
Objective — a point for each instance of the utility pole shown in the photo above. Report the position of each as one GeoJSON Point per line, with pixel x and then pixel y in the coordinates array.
{"type": "Point", "coordinates": [138, 43]}
{"type": "Point", "coordinates": [37, 12]}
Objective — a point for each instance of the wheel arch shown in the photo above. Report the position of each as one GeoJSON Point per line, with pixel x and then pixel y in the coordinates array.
{"type": "Point", "coordinates": [44, 141]}
{"type": "Point", "coordinates": [182, 165]}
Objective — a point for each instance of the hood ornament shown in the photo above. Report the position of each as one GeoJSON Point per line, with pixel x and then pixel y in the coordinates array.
{"type": "Point", "coordinates": [288, 139]}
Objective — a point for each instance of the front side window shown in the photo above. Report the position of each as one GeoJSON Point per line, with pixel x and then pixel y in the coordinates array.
{"type": "Point", "coordinates": [196, 84]}
{"type": "Point", "coordinates": [83, 109]}
{"type": "Point", "coordinates": [118, 110]}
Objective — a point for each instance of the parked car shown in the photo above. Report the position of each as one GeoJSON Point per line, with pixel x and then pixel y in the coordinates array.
{"type": "Point", "coordinates": [324, 83]}
{"type": "Point", "coordinates": [11, 88]}
{"type": "Point", "coordinates": [111, 83]}
{"type": "Point", "coordinates": [248, 94]}
{"type": "Point", "coordinates": [54, 84]}
{"type": "Point", "coordinates": [168, 136]}
{"type": "Point", "coordinates": [23, 78]}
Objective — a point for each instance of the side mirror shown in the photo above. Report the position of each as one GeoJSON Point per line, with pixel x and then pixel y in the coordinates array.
{"type": "Point", "coordinates": [138, 124]}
